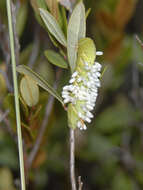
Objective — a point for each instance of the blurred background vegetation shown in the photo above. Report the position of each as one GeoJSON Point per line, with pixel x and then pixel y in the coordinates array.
{"type": "Point", "coordinates": [109, 155]}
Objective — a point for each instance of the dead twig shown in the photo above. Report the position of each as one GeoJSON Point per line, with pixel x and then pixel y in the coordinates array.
{"type": "Point", "coordinates": [41, 132]}
{"type": "Point", "coordinates": [4, 115]}
{"type": "Point", "coordinates": [8, 127]}
{"type": "Point", "coordinates": [49, 107]}
{"type": "Point", "coordinates": [4, 41]}
{"type": "Point", "coordinates": [72, 159]}
{"type": "Point", "coordinates": [35, 48]}
{"type": "Point", "coordinates": [16, 39]}
{"type": "Point", "coordinates": [9, 86]}
{"type": "Point", "coordinates": [80, 183]}
{"type": "Point", "coordinates": [139, 40]}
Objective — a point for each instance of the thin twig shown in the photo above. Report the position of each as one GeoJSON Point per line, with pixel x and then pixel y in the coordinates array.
{"type": "Point", "coordinates": [35, 48]}
{"type": "Point", "coordinates": [16, 39]}
{"type": "Point", "coordinates": [7, 124]}
{"type": "Point", "coordinates": [139, 40]}
{"type": "Point", "coordinates": [41, 133]}
{"type": "Point", "coordinates": [9, 87]}
{"type": "Point", "coordinates": [49, 107]}
{"type": "Point", "coordinates": [80, 183]}
{"type": "Point", "coordinates": [4, 43]}
{"type": "Point", "coordinates": [3, 115]}
{"type": "Point", "coordinates": [72, 159]}
{"type": "Point", "coordinates": [17, 107]}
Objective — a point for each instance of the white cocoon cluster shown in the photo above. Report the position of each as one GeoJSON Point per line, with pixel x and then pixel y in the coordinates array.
{"type": "Point", "coordinates": [85, 89]}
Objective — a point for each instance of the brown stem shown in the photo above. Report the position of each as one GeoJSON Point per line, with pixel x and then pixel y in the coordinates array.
{"type": "Point", "coordinates": [35, 49]}
{"type": "Point", "coordinates": [80, 183]}
{"type": "Point", "coordinates": [7, 124]}
{"type": "Point", "coordinates": [139, 40]}
{"type": "Point", "coordinates": [44, 124]}
{"type": "Point", "coordinates": [72, 159]}
{"type": "Point", "coordinates": [16, 39]}
{"type": "Point", "coordinates": [41, 133]}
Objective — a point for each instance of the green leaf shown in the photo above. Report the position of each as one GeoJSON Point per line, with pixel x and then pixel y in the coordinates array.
{"type": "Point", "coordinates": [63, 20]}
{"type": "Point", "coordinates": [53, 26]}
{"type": "Point", "coordinates": [36, 4]}
{"type": "Point", "coordinates": [39, 80]}
{"type": "Point", "coordinates": [46, 71]}
{"type": "Point", "coordinates": [29, 91]}
{"type": "Point", "coordinates": [6, 178]}
{"type": "Point", "coordinates": [56, 59]}
{"type": "Point", "coordinates": [21, 18]}
{"type": "Point", "coordinates": [76, 31]}
{"type": "Point", "coordinates": [122, 181]}
{"type": "Point", "coordinates": [25, 54]}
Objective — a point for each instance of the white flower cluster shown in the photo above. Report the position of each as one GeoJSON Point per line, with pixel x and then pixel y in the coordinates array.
{"type": "Point", "coordinates": [83, 89]}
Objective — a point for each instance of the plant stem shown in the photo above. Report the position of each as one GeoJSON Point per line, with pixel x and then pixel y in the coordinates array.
{"type": "Point", "coordinates": [80, 184]}
{"type": "Point", "coordinates": [49, 107]}
{"type": "Point", "coordinates": [72, 159]}
{"type": "Point", "coordinates": [20, 146]}
{"type": "Point", "coordinates": [41, 132]}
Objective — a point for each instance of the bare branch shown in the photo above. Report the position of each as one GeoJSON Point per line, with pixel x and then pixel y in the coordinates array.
{"type": "Point", "coordinates": [3, 116]}
{"type": "Point", "coordinates": [35, 48]}
{"type": "Point", "coordinates": [72, 159]}
{"type": "Point", "coordinates": [139, 40]}
{"type": "Point", "coordinates": [7, 124]}
{"type": "Point", "coordinates": [80, 183]}
{"type": "Point", "coordinates": [43, 126]}
{"type": "Point", "coordinates": [41, 133]}
{"type": "Point", "coordinates": [4, 40]}
{"type": "Point", "coordinates": [9, 86]}
{"type": "Point", "coordinates": [16, 39]}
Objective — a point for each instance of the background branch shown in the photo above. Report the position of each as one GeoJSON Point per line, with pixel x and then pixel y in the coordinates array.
{"type": "Point", "coordinates": [80, 183]}
{"type": "Point", "coordinates": [16, 39]}
{"type": "Point", "coordinates": [8, 128]}
{"type": "Point", "coordinates": [41, 132]}
{"type": "Point", "coordinates": [49, 107]}
{"type": "Point", "coordinates": [72, 159]}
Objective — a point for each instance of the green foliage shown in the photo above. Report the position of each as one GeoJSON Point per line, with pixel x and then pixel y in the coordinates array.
{"type": "Point", "coordinates": [6, 179]}
{"type": "Point", "coordinates": [122, 181]}
{"type": "Point", "coordinates": [109, 154]}
{"type": "Point", "coordinates": [56, 59]}
{"type": "Point", "coordinates": [53, 26]}
{"type": "Point", "coordinates": [39, 80]}
{"type": "Point", "coordinates": [8, 151]}
{"type": "Point", "coordinates": [76, 30]}
{"type": "Point", "coordinates": [117, 117]}
{"type": "Point", "coordinates": [29, 91]}
{"type": "Point", "coordinates": [21, 18]}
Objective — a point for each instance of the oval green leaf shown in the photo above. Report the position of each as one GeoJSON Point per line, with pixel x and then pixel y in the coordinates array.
{"type": "Point", "coordinates": [29, 91]}
{"type": "Point", "coordinates": [21, 18]}
{"type": "Point", "coordinates": [39, 80]}
{"type": "Point", "coordinates": [76, 31]}
{"type": "Point", "coordinates": [56, 59]}
{"type": "Point", "coordinates": [53, 26]}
